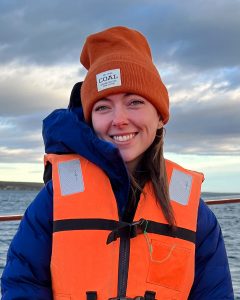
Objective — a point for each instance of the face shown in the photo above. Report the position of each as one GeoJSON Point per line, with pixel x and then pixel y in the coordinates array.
{"type": "Point", "coordinates": [128, 121]}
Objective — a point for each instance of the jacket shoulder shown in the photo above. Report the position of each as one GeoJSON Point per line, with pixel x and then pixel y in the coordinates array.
{"type": "Point", "coordinates": [27, 271]}
{"type": "Point", "coordinates": [212, 275]}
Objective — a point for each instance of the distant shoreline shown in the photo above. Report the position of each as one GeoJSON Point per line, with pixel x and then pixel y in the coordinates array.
{"type": "Point", "coordinates": [36, 186]}
{"type": "Point", "coordinates": [20, 186]}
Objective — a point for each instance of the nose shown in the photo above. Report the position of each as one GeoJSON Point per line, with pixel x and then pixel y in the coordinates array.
{"type": "Point", "coordinates": [120, 118]}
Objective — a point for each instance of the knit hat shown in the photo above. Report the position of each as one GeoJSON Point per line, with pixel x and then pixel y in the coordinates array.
{"type": "Point", "coordinates": [119, 60]}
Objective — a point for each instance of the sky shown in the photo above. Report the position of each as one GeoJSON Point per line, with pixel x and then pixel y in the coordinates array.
{"type": "Point", "coordinates": [195, 46]}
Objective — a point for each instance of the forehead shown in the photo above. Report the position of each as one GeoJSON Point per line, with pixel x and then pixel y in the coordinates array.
{"type": "Point", "coordinates": [120, 96]}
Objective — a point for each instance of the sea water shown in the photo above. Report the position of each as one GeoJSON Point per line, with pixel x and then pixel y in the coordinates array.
{"type": "Point", "coordinates": [15, 202]}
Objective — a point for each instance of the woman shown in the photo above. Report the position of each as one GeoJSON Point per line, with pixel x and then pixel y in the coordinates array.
{"type": "Point", "coordinates": [116, 221]}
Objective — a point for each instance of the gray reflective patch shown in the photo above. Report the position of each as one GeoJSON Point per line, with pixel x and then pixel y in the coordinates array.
{"type": "Point", "coordinates": [70, 175]}
{"type": "Point", "coordinates": [180, 187]}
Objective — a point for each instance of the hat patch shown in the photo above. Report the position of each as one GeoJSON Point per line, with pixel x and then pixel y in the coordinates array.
{"type": "Point", "coordinates": [108, 79]}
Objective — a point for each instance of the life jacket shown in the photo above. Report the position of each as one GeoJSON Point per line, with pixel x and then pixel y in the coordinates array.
{"type": "Point", "coordinates": [95, 255]}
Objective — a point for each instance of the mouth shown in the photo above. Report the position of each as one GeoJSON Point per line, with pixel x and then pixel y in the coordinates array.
{"type": "Point", "coordinates": [123, 137]}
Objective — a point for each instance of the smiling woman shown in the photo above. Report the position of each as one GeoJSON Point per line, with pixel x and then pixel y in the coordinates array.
{"type": "Point", "coordinates": [116, 220]}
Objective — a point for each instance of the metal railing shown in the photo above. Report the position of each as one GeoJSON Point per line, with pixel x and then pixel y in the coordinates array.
{"type": "Point", "coordinates": [221, 201]}
{"type": "Point", "coordinates": [208, 202]}
{"type": "Point", "coordinates": [10, 218]}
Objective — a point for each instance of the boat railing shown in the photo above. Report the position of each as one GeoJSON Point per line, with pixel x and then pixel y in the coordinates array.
{"type": "Point", "coordinates": [208, 202]}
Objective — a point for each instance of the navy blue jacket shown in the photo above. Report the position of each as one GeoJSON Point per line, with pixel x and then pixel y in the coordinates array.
{"type": "Point", "coordinates": [27, 271]}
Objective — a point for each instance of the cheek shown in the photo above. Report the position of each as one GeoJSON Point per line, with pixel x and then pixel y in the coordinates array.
{"type": "Point", "coordinates": [95, 122]}
{"type": "Point", "coordinates": [95, 127]}
{"type": "Point", "coordinates": [152, 129]}
{"type": "Point", "coordinates": [98, 125]}
{"type": "Point", "coordinates": [152, 123]}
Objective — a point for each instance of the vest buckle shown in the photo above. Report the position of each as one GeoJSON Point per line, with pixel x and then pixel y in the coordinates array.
{"type": "Point", "coordinates": [127, 230]}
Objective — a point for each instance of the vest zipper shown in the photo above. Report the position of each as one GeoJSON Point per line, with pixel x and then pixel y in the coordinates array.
{"type": "Point", "coordinates": [124, 253]}
{"type": "Point", "coordinates": [123, 266]}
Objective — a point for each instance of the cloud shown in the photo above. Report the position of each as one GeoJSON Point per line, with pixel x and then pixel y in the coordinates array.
{"type": "Point", "coordinates": [21, 139]}
{"type": "Point", "coordinates": [198, 34]}
{"type": "Point", "coordinates": [204, 111]}
{"type": "Point", "coordinates": [210, 128]}
{"type": "Point", "coordinates": [27, 95]}
{"type": "Point", "coordinates": [51, 32]}
{"type": "Point", "coordinates": [33, 89]}
{"type": "Point", "coordinates": [11, 156]}
{"type": "Point", "coordinates": [21, 132]}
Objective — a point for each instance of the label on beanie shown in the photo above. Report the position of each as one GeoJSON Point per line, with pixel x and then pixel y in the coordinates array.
{"type": "Point", "coordinates": [108, 79]}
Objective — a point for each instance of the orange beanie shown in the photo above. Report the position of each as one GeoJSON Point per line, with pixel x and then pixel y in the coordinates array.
{"type": "Point", "coordinates": [119, 60]}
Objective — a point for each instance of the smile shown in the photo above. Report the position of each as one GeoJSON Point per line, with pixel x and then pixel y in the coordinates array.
{"type": "Point", "coordinates": [123, 138]}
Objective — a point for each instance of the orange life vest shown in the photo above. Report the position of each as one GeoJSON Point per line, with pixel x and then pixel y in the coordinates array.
{"type": "Point", "coordinates": [87, 234]}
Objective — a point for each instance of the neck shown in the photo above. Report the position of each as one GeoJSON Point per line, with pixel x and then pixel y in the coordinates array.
{"type": "Point", "coordinates": [132, 165]}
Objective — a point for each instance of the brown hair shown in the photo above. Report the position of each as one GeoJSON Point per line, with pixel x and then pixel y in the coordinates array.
{"type": "Point", "coordinates": [152, 168]}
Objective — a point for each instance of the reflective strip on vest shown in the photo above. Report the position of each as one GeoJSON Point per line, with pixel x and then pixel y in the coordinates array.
{"type": "Point", "coordinates": [85, 249]}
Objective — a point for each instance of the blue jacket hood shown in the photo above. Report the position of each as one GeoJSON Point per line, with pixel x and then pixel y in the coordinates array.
{"type": "Point", "coordinates": [65, 131]}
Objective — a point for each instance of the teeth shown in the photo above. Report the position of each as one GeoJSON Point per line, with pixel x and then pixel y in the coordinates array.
{"type": "Point", "coordinates": [123, 138]}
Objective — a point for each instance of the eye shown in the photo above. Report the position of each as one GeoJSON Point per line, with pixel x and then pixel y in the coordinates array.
{"type": "Point", "coordinates": [100, 108]}
{"type": "Point", "coordinates": [136, 102]}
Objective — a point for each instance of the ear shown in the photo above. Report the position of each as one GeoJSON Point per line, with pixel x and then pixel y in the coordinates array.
{"type": "Point", "coordinates": [160, 124]}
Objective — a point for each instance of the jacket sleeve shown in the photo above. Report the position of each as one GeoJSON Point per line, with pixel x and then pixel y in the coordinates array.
{"type": "Point", "coordinates": [27, 271]}
{"type": "Point", "coordinates": [212, 274]}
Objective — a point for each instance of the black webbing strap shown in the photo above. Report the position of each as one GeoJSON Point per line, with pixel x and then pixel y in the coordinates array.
{"type": "Point", "coordinates": [91, 295]}
{"type": "Point", "coordinates": [177, 232]}
{"type": "Point", "coordinates": [149, 295]}
{"type": "Point", "coordinates": [124, 229]}
{"type": "Point", "coordinates": [85, 224]}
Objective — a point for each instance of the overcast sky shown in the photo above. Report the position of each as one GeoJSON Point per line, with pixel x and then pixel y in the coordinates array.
{"type": "Point", "coordinates": [195, 45]}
